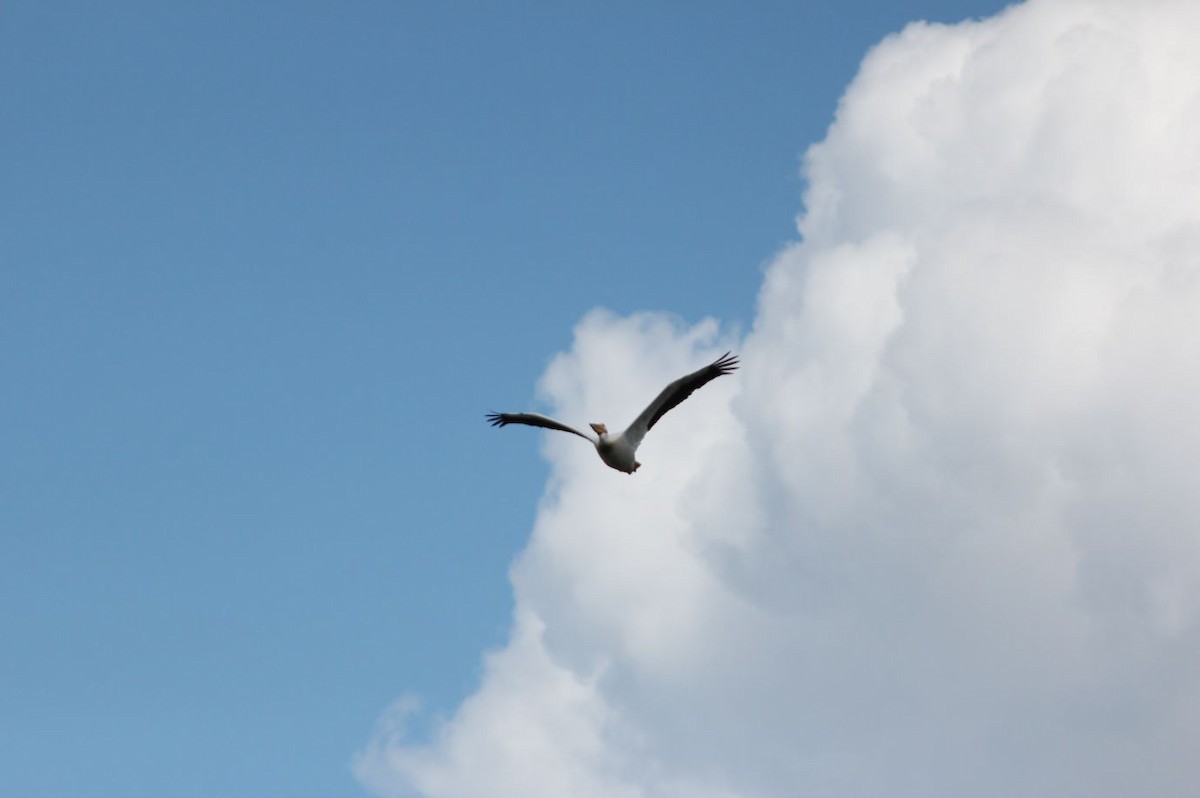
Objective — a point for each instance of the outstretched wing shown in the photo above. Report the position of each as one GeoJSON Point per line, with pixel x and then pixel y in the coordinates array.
{"type": "Point", "coordinates": [675, 393]}
{"type": "Point", "coordinates": [533, 420]}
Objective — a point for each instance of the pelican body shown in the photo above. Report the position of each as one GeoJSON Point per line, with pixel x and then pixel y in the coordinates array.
{"type": "Point", "coordinates": [618, 451]}
{"type": "Point", "coordinates": [615, 452]}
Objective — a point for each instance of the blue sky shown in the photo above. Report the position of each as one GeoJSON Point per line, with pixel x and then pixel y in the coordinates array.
{"type": "Point", "coordinates": [263, 267]}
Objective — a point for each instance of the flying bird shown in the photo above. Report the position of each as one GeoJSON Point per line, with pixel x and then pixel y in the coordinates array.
{"type": "Point", "coordinates": [617, 451]}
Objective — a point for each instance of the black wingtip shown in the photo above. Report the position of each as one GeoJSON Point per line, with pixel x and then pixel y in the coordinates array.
{"type": "Point", "coordinates": [726, 363]}
{"type": "Point", "coordinates": [496, 419]}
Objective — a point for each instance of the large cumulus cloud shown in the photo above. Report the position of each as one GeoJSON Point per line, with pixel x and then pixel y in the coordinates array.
{"type": "Point", "coordinates": [941, 535]}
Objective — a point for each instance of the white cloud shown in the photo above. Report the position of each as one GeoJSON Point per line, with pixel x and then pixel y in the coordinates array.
{"type": "Point", "coordinates": [941, 535]}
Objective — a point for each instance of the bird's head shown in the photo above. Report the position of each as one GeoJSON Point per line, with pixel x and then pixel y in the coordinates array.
{"type": "Point", "coordinates": [599, 429]}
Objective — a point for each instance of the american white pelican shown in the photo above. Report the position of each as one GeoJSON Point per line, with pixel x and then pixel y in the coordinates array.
{"type": "Point", "coordinates": [617, 452]}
